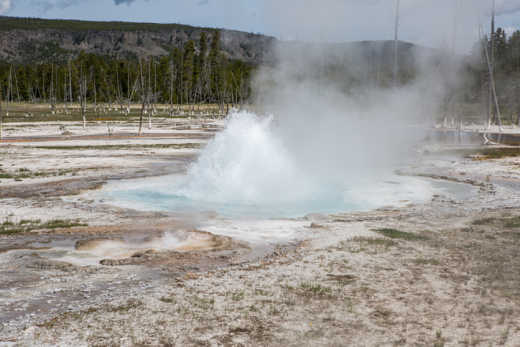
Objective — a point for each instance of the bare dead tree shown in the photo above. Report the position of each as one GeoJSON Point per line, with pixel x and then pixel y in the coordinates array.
{"type": "Point", "coordinates": [148, 92]}
{"type": "Point", "coordinates": [16, 87]}
{"type": "Point", "coordinates": [83, 96]}
{"type": "Point", "coordinates": [492, 86]}
{"type": "Point", "coordinates": [70, 85]}
{"type": "Point", "coordinates": [396, 42]}
{"type": "Point", "coordinates": [1, 114]}
{"type": "Point", "coordinates": [171, 89]}
{"type": "Point", "coordinates": [52, 97]}
{"type": "Point", "coordinates": [93, 79]}
{"type": "Point", "coordinates": [129, 93]}
{"type": "Point", "coordinates": [119, 95]}
{"type": "Point", "coordinates": [491, 65]}
{"type": "Point", "coordinates": [144, 97]}
{"type": "Point", "coordinates": [9, 91]}
{"type": "Point", "coordinates": [154, 86]}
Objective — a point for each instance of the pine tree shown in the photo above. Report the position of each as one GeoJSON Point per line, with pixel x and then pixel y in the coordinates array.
{"type": "Point", "coordinates": [202, 71]}
{"type": "Point", "coordinates": [215, 67]}
{"type": "Point", "coordinates": [188, 70]}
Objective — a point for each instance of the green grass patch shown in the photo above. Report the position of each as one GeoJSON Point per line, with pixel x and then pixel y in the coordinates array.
{"type": "Point", "coordinates": [374, 241]}
{"type": "Point", "coordinates": [426, 261]}
{"type": "Point", "coordinates": [24, 226]}
{"type": "Point", "coordinates": [512, 223]}
{"type": "Point", "coordinates": [499, 153]}
{"type": "Point", "coordinates": [60, 223]}
{"type": "Point", "coordinates": [23, 173]}
{"type": "Point", "coordinates": [315, 289]}
{"type": "Point", "coordinates": [202, 303]}
{"type": "Point", "coordinates": [401, 235]}
{"type": "Point", "coordinates": [168, 300]}
{"type": "Point", "coordinates": [484, 221]}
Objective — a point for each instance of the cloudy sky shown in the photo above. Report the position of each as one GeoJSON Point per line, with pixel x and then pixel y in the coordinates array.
{"type": "Point", "coordinates": [428, 22]}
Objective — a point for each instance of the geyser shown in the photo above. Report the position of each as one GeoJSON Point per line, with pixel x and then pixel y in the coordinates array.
{"type": "Point", "coordinates": [249, 164]}
{"type": "Point", "coordinates": [326, 136]}
{"type": "Point", "coordinates": [251, 170]}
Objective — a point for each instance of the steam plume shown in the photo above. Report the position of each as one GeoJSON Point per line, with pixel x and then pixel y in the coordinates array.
{"type": "Point", "coordinates": [508, 7]}
{"type": "Point", "coordinates": [326, 125]}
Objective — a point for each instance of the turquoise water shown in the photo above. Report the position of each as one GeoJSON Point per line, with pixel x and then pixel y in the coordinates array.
{"type": "Point", "coordinates": [256, 167]}
{"type": "Point", "coordinates": [152, 200]}
{"type": "Point", "coordinates": [166, 194]}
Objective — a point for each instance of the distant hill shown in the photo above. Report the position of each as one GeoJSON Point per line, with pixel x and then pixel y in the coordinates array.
{"type": "Point", "coordinates": [35, 55]}
{"type": "Point", "coordinates": [33, 40]}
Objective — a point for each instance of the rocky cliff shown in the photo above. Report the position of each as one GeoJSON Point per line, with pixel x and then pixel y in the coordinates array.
{"type": "Point", "coordinates": [28, 40]}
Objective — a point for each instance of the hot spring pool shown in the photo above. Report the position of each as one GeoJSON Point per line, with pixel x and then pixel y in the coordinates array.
{"type": "Point", "coordinates": [257, 167]}
{"type": "Point", "coordinates": [165, 193]}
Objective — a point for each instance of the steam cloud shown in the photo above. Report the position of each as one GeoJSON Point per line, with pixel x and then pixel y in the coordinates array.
{"type": "Point", "coordinates": [508, 7]}
{"type": "Point", "coordinates": [316, 138]}
{"type": "Point", "coordinates": [426, 22]}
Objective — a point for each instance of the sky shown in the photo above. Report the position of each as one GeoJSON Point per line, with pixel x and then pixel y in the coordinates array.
{"type": "Point", "coordinates": [427, 22]}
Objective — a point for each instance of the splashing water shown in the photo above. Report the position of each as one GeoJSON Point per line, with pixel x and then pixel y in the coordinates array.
{"type": "Point", "coordinates": [247, 164]}
{"type": "Point", "coordinates": [248, 170]}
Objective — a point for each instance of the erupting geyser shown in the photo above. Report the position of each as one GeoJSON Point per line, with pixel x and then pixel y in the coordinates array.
{"type": "Point", "coordinates": [251, 170]}
{"type": "Point", "coordinates": [314, 145]}
{"type": "Point", "coordinates": [248, 164]}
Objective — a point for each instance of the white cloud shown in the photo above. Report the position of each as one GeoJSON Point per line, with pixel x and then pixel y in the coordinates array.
{"type": "Point", "coordinates": [5, 5]}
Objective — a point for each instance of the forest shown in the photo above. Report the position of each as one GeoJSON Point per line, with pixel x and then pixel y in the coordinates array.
{"type": "Point", "coordinates": [505, 58]}
{"type": "Point", "coordinates": [199, 72]}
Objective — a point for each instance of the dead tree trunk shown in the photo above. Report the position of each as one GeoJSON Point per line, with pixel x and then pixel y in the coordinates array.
{"type": "Point", "coordinates": [143, 98]}
{"type": "Point", "coordinates": [83, 96]}
{"type": "Point", "coordinates": [1, 114]}
{"type": "Point", "coordinates": [95, 95]}
{"type": "Point", "coordinates": [491, 66]}
{"type": "Point", "coordinates": [148, 97]}
{"type": "Point", "coordinates": [16, 87]}
{"type": "Point", "coordinates": [70, 86]}
{"type": "Point", "coordinates": [171, 90]}
{"type": "Point", "coordinates": [493, 87]}
{"type": "Point", "coordinates": [118, 90]}
{"type": "Point", "coordinates": [9, 91]}
{"type": "Point", "coordinates": [52, 91]}
{"type": "Point", "coordinates": [129, 93]}
{"type": "Point", "coordinates": [396, 43]}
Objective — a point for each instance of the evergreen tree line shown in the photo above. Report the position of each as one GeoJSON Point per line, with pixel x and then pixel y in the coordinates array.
{"type": "Point", "coordinates": [507, 51]}
{"type": "Point", "coordinates": [196, 73]}
{"type": "Point", "coordinates": [505, 56]}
